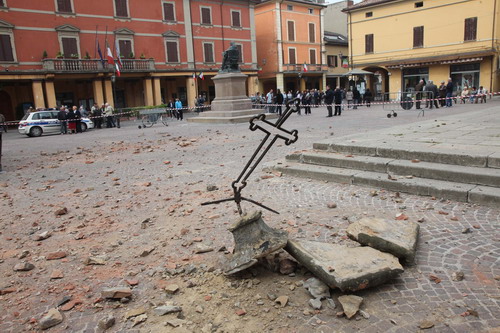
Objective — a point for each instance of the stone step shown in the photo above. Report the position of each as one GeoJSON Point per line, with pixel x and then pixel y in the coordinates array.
{"type": "Point", "coordinates": [420, 186]}
{"type": "Point", "coordinates": [447, 172]}
{"type": "Point", "coordinates": [249, 112]}
{"type": "Point", "coordinates": [228, 120]}
{"type": "Point", "coordinates": [408, 152]}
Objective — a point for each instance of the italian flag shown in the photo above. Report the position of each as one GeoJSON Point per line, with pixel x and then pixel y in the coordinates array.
{"type": "Point", "coordinates": [109, 55]}
{"type": "Point", "coordinates": [201, 76]}
{"type": "Point", "coordinates": [305, 67]}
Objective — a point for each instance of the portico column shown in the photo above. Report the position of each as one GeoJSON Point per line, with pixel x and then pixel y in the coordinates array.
{"type": "Point", "coordinates": [97, 89]}
{"type": "Point", "coordinates": [302, 84]}
{"type": "Point", "coordinates": [323, 83]}
{"type": "Point", "coordinates": [50, 92]}
{"type": "Point", "coordinates": [253, 85]}
{"type": "Point", "coordinates": [280, 82]}
{"type": "Point", "coordinates": [39, 100]}
{"type": "Point", "coordinates": [157, 90]}
{"type": "Point", "coordinates": [191, 91]}
{"type": "Point", "coordinates": [148, 92]}
{"type": "Point", "coordinates": [108, 88]}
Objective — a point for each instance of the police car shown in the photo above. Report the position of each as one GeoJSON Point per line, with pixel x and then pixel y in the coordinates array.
{"type": "Point", "coordinates": [45, 122]}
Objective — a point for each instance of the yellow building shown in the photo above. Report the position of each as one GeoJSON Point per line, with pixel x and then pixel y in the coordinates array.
{"type": "Point", "coordinates": [402, 41]}
{"type": "Point", "coordinates": [337, 48]}
{"type": "Point", "coordinates": [289, 35]}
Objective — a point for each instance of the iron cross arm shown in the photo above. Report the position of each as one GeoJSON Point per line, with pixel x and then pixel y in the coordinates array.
{"type": "Point", "coordinates": [273, 132]}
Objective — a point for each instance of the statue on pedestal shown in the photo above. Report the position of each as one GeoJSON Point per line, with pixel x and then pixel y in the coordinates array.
{"type": "Point", "coordinates": [230, 60]}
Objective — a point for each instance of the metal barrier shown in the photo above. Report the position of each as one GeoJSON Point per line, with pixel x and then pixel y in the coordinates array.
{"type": "Point", "coordinates": [398, 101]}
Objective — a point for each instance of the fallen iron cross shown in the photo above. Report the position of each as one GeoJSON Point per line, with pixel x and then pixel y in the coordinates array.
{"type": "Point", "coordinates": [273, 131]}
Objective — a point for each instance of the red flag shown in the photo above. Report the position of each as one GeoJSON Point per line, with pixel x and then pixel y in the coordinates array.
{"type": "Point", "coordinates": [201, 76]}
{"type": "Point", "coordinates": [305, 67]}
{"type": "Point", "coordinates": [109, 55]}
{"type": "Point", "coordinates": [117, 70]}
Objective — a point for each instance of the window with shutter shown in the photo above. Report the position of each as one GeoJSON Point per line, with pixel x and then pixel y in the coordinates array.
{"type": "Point", "coordinates": [312, 35]}
{"type": "Point", "coordinates": [2, 3]}
{"type": "Point", "coordinates": [70, 46]}
{"type": "Point", "coordinates": [312, 56]}
{"type": "Point", "coordinates": [6, 48]}
{"type": "Point", "coordinates": [369, 43]}
{"type": "Point", "coordinates": [240, 50]}
{"type": "Point", "coordinates": [418, 36]}
{"type": "Point", "coordinates": [168, 11]}
{"type": "Point", "coordinates": [172, 53]}
{"type": "Point", "coordinates": [332, 61]}
{"type": "Point", "coordinates": [121, 8]}
{"type": "Point", "coordinates": [235, 16]}
{"type": "Point", "coordinates": [206, 17]}
{"type": "Point", "coordinates": [64, 6]}
{"type": "Point", "coordinates": [125, 48]}
{"type": "Point", "coordinates": [291, 56]}
{"type": "Point", "coordinates": [291, 30]}
{"type": "Point", "coordinates": [209, 52]}
{"type": "Point", "coordinates": [470, 29]}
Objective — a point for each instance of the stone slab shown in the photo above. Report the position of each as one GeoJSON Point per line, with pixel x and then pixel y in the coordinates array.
{"type": "Point", "coordinates": [485, 195]}
{"type": "Point", "coordinates": [349, 269]}
{"type": "Point", "coordinates": [398, 238]}
{"type": "Point", "coordinates": [348, 161]}
{"type": "Point", "coordinates": [338, 175]}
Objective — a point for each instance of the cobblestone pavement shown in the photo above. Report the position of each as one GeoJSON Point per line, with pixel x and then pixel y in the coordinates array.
{"type": "Point", "coordinates": [130, 189]}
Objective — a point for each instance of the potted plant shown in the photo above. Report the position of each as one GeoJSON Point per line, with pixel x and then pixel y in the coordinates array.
{"type": "Point", "coordinates": [45, 55]}
{"type": "Point", "coordinates": [59, 55]}
{"type": "Point", "coordinates": [142, 56]}
{"type": "Point", "coordinates": [74, 56]}
{"type": "Point", "coordinates": [131, 55]}
{"type": "Point", "coordinates": [87, 55]}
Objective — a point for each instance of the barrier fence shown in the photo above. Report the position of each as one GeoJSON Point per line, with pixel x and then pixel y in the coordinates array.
{"type": "Point", "coordinates": [405, 100]}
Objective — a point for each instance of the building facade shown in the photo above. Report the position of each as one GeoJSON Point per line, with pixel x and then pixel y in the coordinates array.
{"type": "Point", "coordinates": [290, 48]}
{"type": "Point", "coordinates": [337, 49]}
{"type": "Point", "coordinates": [403, 41]}
{"type": "Point", "coordinates": [49, 50]}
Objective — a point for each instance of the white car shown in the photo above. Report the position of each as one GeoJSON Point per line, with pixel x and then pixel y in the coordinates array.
{"type": "Point", "coordinates": [45, 122]}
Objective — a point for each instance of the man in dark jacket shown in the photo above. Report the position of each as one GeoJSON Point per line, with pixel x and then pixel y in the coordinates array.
{"type": "Point", "coordinates": [432, 94]}
{"type": "Point", "coordinates": [337, 97]}
{"type": "Point", "coordinates": [61, 116]}
{"type": "Point", "coordinates": [78, 121]}
{"type": "Point", "coordinates": [449, 93]}
{"type": "Point", "coordinates": [418, 89]}
{"type": "Point", "coordinates": [329, 101]}
{"type": "Point", "coordinates": [357, 97]}
{"type": "Point", "coordinates": [279, 101]}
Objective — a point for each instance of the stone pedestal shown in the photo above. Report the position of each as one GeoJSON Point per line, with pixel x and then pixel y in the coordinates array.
{"type": "Point", "coordinates": [231, 104]}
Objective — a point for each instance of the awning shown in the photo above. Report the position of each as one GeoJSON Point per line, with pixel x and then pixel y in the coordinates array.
{"type": "Point", "coordinates": [357, 71]}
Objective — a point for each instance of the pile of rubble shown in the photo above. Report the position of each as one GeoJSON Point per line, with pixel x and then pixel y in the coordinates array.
{"type": "Point", "coordinates": [383, 244]}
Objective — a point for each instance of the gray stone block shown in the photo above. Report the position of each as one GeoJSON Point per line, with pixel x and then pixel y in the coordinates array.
{"type": "Point", "coordinates": [348, 269]}
{"type": "Point", "coordinates": [396, 237]}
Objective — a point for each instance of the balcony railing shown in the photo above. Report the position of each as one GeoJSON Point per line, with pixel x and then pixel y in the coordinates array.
{"type": "Point", "coordinates": [96, 65]}
{"type": "Point", "coordinates": [296, 68]}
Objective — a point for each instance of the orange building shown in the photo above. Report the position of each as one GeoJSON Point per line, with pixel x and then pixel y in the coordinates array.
{"type": "Point", "coordinates": [290, 48]}
{"type": "Point", "coordinates": [48, 50]}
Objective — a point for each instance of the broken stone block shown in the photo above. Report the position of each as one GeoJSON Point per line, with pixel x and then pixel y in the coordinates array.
{"type": "Point", "coordinates": [253, 239]}
{"type": "Point", "coordinates": [396, 237]}
{"type": "Point", "coordinates": [119, 292]}
{"type": "Point", "coordinates": [317, 288]}
{"type": "Point", "coordinates": [53, 318]}
{"type": "Point", "coordinates": [350, 304]}
{"type": "Point", "coordinates": [166, 309]}
{"type": "Point", "coordinates": [348, 269]}
{"type": "Point", "coordinates": [23, 267]}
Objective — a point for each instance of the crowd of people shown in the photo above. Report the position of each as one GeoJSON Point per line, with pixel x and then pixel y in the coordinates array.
{"type": "Point", "coordinates": [70, 119]}
{"type": "Point", "coordinates": [273, 102]}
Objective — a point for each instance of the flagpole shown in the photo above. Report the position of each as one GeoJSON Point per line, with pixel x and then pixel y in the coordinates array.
{"type": "Point", "coordinates": [96, 41]}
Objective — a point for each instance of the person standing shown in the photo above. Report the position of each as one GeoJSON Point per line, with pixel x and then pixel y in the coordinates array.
{"type": "Point", "coordinates": [78, 119]}
{"type": "Point", "coordinates": [337, 97]}
{"type": "Point", "coordinates": [418, 89]}
{"type": "Point", "coordinates": [368, 97]}
{"type": "Point", "coordinates": [171, 109]}
{"type": "Point", "coordinates": [449, 93]}
{"type": "Point", "coordinates": [269, 101]}
{"type": "Point", "coordinates": [356, 97]}
{"type": "Point", "coordinates": [279, 101]}
{"type": "Point", "coordinates": [329, 101]}
{"type": "Point", "coordinates": [481, 94]}
{"type": "Point", "coordinates": [3, 124]}
{"type": "Point", "coordinates": [70, 117]}
{"type": "Point", "coordinates": [96, 115]}
{"type": "Point", "coordinates": [178, 108]}
{"type": "Point", "coordinates": [61, 116]}
{"type": "Point", "coordinates": [442, 94]}
{"type": "Point", "coordinates": [349, 96]}
{"type": "Point", "coordinates": [109, 116]}
{"type": "Point", "coordinates": [307, 98]}
{"type": "Point", "coordinates": [298, 95]}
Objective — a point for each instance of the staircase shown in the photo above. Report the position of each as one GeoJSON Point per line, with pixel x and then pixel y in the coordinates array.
{"type": "Point", "coordinates": [441, 173]}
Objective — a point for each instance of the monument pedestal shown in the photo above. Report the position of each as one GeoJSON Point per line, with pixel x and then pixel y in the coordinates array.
{"type": "Point", "coordinates": [231, 104]}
